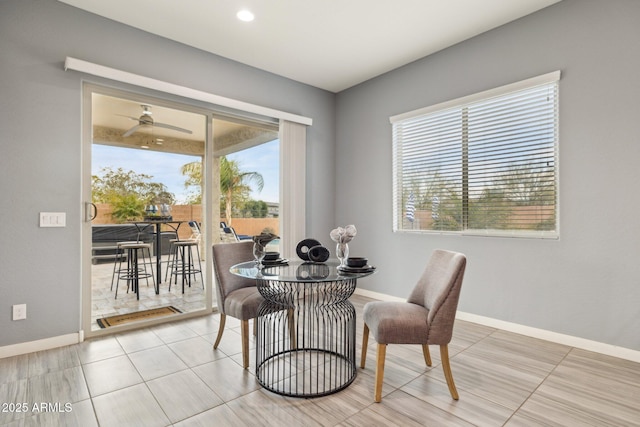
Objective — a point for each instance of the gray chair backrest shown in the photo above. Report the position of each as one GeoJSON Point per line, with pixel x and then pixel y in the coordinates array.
{"type": "Point", "coordinates": [226, 255]}
{"type": "Point", "coordinates": [438, 290]}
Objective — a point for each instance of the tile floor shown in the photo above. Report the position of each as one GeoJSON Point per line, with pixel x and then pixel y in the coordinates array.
{"type": "Point", "coordinates": [170, 375]}
{"type": "Point", "coordinates": [104, 303]}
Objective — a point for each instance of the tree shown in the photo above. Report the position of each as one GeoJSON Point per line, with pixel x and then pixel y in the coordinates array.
{"type": "Point", "coordinates": [234, 184]}
{"type": "Point", "coordinates": [128, 192]}
{"type": "Point", "coordinates": [440, 194]}
{"type": "Point", "coordinates": [255, 209]}
{"type": "Point", "coordinates": [127, 207]}
{"type": "Point", "coordinates": [500, 204]}
{"type": "Point", "coordinates": [193, 172]}
{"type": "Point", "coordinates": [528, 184]}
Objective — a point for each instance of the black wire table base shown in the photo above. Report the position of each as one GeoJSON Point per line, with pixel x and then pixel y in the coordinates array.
{"type": "Point", "coordinates": [306, 337]}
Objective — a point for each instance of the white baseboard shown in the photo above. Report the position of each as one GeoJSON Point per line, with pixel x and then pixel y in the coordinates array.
{"type": "Point", "coordinates": [577, 342]}
{"type": "Point", "coordinates": [39, 345]}
{"type": "Point", "coordinates": [378, 296]}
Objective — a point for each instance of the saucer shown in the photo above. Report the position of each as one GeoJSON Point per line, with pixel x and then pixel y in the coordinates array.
{"type": "Point", "coordinates": [279, 261]}
{"type": "Point", "coordinates": [365, 269]}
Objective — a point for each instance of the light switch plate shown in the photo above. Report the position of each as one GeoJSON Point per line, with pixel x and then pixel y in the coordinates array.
{"type": "Point", "coordinates": [19, 311]}
{"type": "Point", "coordinates": [53, 219]}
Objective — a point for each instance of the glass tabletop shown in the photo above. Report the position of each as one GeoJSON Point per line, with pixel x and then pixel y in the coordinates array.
{"type": "Point", "coordinates": [300, 271]}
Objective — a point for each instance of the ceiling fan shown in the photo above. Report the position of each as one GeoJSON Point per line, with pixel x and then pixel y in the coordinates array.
{"type": "Point", "coordinates": [146, 120]}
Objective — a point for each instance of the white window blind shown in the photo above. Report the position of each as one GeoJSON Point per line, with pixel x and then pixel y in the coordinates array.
{"type": "Point", "coordinates": [483, 164]}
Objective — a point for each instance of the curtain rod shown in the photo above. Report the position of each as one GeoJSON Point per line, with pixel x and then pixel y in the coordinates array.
{"type": "Point", "coordinates": [174, 89]}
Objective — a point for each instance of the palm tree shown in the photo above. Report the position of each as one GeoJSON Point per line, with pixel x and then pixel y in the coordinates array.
{"type": "Point", "coordinates": [193, 171]}
{"type": "Point", "coordinates": [234, 183]}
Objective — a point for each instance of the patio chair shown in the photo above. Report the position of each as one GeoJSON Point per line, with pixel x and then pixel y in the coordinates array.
{"type": "Point", "coordinates": [228, 234]}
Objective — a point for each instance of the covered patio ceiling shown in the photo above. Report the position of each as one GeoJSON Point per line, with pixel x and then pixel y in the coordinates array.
{"type": "Point", "coordinates": [112, 117]}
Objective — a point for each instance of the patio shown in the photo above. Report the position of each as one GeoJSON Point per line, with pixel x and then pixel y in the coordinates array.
{"type": "Point", "coordinates": [103, 302]}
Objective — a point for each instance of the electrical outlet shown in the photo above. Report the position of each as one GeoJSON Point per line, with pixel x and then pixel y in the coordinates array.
{"type": "Point", "coordinates": [19, 311]}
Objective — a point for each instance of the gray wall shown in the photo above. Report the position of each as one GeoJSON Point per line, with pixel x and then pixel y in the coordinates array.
{"type": "Point", "coordinates": [587, 283]}
{"type": "Point", "coordinates": [584, 284]}
{"type": "Point", "coordinates": [40, 144]}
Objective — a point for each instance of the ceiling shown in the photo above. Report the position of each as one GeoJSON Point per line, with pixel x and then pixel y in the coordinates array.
{"type": "Point", "coordinates": [329, 44]}
{"type": "Point", "coordinates": [113, 116]}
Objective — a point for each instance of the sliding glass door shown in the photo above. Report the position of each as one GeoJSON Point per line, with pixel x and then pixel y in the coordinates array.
{"type": "Point", "coordinates": [140, 148]}
{"type": "Point", "coordinates": [157, 173]}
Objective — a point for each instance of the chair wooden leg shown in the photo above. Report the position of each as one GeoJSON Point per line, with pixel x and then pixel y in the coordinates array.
{"type": "Point", "coordinates": [244, 326]}
{"type": "Point", "coordinates": [365, 343]}
{"type": "Point", "coordinates": [382, 352]}
{"type": "Point", "coordinates": [427, 355]}
{"type": "Point", "coordinates": [223, 319]}
{"type": "Point", "coordinates": [444, 355]}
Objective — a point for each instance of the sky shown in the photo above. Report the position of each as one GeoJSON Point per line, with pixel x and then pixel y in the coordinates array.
{"type": "Point", "coordinates": [264, 159]}
{"type": "Point", "coordinates": [165, 167]}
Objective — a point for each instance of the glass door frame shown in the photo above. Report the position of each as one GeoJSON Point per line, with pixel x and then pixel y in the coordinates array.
{"type": "Point", "coordinates": [88, 89]}
{"type": "Point", "coordinates": [292, 160]}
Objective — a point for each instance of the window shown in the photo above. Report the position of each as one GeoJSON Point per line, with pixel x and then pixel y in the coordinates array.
{"type": "Point", "coordinates": [483, 164]}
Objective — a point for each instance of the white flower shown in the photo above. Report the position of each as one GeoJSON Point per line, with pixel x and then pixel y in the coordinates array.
{"type": "Point", "coordinates": [343, 235]}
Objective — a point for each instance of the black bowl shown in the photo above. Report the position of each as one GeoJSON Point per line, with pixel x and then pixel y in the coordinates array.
{"type": "Point", "coordinates": [357, 262]}
{"type": "Point", "coordinates": [271, 256]}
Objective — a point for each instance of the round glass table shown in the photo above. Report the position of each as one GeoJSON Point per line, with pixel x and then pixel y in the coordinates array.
{"type": "Point", "coordinates": [306, 326]}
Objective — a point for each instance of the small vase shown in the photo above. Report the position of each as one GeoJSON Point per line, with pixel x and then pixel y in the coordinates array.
{"type": "Point", "coordinates": [342, 252]}
{"type": "Point", "coordinates": [258, 253]}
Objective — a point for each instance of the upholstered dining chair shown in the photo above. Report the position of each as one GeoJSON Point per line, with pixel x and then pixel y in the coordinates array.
{"type": "Point", "coordinates": [238, 297]}
{"type": "Point", "coordinates": [426, 318]}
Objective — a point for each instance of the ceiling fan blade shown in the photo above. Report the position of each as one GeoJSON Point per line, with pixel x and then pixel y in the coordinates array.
{"type": "Point", "coordinates": [129, 117]}
{"type": "Point", "coordinates": [132, 130]}
{"type": "Point", "coordinates": [166, 126]}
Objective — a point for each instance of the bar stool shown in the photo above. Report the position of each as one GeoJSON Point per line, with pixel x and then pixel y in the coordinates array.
{"type": "Point", "coordinates": [135, 269]}
{"type": "Point", "coordinates": [170, 260]}
{"type": "Point", "coordinates": [183, 263]}
{"type": "Point", "coordinates": [120, 255]}
{"type": "Point", "coordinates": [181, 258]}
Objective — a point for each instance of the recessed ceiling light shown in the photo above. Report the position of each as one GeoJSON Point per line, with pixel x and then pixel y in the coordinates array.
{"type": "Point", "coordinates": [245, 15]}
